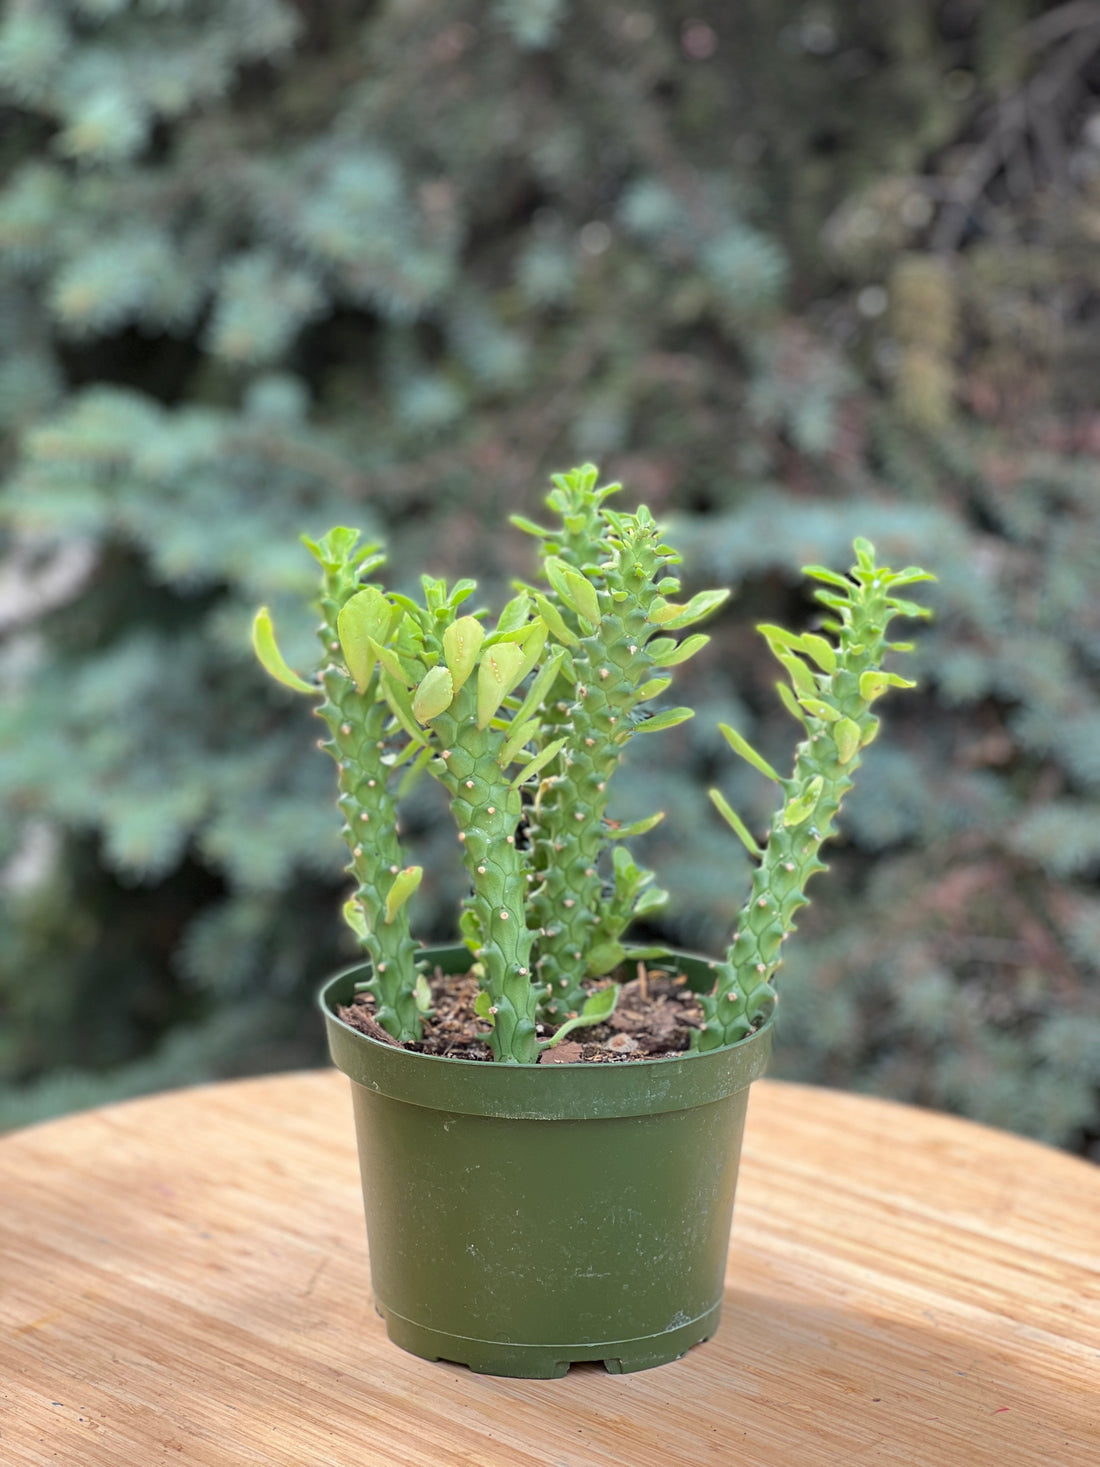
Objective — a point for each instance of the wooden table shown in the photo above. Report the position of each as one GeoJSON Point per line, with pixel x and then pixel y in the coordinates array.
{"type": "Point", "coordinates": [184, 1280]}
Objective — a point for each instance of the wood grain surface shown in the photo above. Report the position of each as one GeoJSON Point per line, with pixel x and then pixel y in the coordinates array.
{"type": "Point", "coordinates": [184, 1279]}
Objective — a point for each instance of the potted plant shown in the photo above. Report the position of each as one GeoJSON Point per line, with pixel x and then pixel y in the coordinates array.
{"type": "Point", "coordinates": [523, 1214]}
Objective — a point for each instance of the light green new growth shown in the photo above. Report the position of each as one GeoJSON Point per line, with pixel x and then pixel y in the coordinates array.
{"type": "Point", "coordinates": [619, 609]}
{"type": "Point", "coordinates": [833, 687]}
{"type": "Point", "coordinates": [524, 725]}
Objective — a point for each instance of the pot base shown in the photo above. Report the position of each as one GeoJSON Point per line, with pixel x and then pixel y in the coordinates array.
{"type": "Point", "coordinates": [547, 1362]}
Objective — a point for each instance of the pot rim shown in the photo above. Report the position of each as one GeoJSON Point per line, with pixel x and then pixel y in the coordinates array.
{"type": "Point", "coordinates": [569, 1091]}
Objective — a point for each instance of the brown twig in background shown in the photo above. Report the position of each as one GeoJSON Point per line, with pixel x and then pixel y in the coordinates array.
{"type": "Point", "coordinates": [1027, 109]}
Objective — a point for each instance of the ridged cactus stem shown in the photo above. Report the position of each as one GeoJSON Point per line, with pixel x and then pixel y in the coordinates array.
{"type": "Point", "coordinates": [833, 699]}
{"type": "Point", "coordinates": [357, 723]}
{"type": "Point", "coordinates": [487, 811]}
{"type": "Point", "coordinates": [357, 726]}
{"type": "Point", "coordinates": [609, 669]}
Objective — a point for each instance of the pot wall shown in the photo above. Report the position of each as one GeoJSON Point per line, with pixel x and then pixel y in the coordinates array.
{"type": "Point", "coordinates": [523, 1217]}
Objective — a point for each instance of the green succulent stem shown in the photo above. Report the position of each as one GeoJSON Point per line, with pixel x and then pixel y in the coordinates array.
{"type": "Point", "coordinates": [608, 671]}
{"type": "Point", "coordinates": [487, 810]}
{"type": "Point", "coordinates": [834, 687]}
{"type": "Point", "coordinates": [357, 724]}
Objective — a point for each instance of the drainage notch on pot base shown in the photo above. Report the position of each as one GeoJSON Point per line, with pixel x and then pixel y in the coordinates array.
{"type": "Point", "coordinates": [522, 1218]}
{"type": "Point", "coordinates": [549, 1362]}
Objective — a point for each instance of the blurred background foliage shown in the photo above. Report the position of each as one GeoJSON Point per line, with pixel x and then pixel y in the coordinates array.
{"type": "Point", "coordinates": [792, 270]}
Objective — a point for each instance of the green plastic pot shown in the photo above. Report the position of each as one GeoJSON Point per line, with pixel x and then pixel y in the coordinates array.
{"type": "Point", "coordinates": [523, 1217]}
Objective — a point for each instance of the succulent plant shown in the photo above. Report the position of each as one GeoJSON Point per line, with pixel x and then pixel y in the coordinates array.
{"type": "Point", "coordinates": [524, 722]}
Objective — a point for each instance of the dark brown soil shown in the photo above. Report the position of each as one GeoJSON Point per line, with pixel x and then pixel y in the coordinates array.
{"type": "Point", "coordinates": [655, 1016]}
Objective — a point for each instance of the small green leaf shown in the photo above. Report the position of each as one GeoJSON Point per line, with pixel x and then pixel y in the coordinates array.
{"type": "Point", "coordinates": [704, 603]}
{"type": "Point", "coordinates": [801, 809]}
{"type": "Point", "coordinates": [461, 643]}
{"type": "Point", "coordinates": [497, 674]}
{"type": "Point", "coordinates": [584, 595]}
{"type": "Point", "coordinates": [741, 746]}
{"type": "Point", "coordinates": [364, 619]}
{"type": "Point", "coordinates": [356, 918]}
{"type": "Point", "coordinates": [821, 651]}
{"type": "Point", "coordinates": [848, 737]}
{"type": "Point", "coordinates": [271, 659]}
{"type": "Point", "coordinates": [910, 574]}
{"type": "Point", "coordinates": [779, 639]}
{"type": "Point", "coordinates": [734, 821]}
{"type": "Point", "coordinates": [820, 709]}
{"type": "Point", "coordinates": [533, 642]}
{"type": "Point", "coordinates": [483, 1008]}
{"type": "Point", "coordinates": [404, 884]}
{"type": "Point", "coordinates": [541, 685]}
{"type": "Point", "coordinates": [597, 1007]}
{"type": "Point", "coordinates": [434, 695]}
{"type": "Point", "coordinates": [668, 719]}
{"type": "Point", "coordinates": [390, 661]}
{"type": "Point", "coordinates": [661, 611]}
{"type": "Point", "coordinates": [553, 619]}
{"type": "Point", "coordinates": [873, 684]}
{"type": "Point", "coordinates": [529, 527]}
{"type": "Point", "coordinates": [422, 994]}
{"type": "Point", "coordinates": [514, 615]}
{"type": "Point", "coordinates": [651, 901]}
{"type": "Point", "coordinates": [652, 689]}
{"type": "Point", "coordinates": [802, 679]}
{"type": "Point", "coordinates": [636, 827]}
{"type": "Point", "coordinates": [397, 696]}
{"type": "Point", "coordinates": [790, 702]}
{"type": "Point", "coordinates": [575, 590]}
{"type": "Point", "coordinates": [682, 651]}
{"type": "Point", "coordinates": [909, 608]}
{"type": "Point", "coordinates": [823, 573]}
{"type": "Point", "coordinates": [463, 590]}
{"type": "Point", "coordinates": [555, 568]}
{"type": "Point", "coordinates": [540, 761]}
{"type": "Point", "coordinates": [519, 733]}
